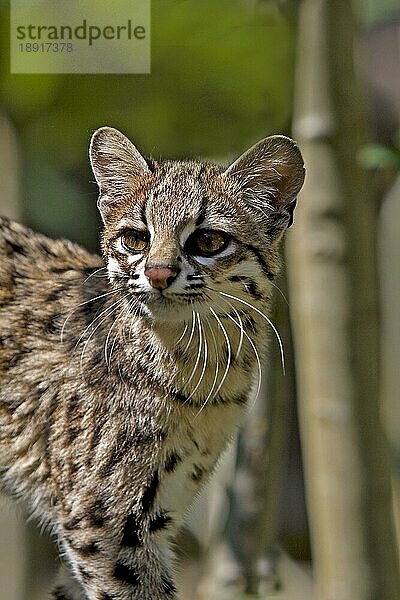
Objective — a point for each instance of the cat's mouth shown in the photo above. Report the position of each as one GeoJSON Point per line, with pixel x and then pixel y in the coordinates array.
{"type": "Point", "coordinates": [163, 304]}
{"type": "Point", "coordinates": [173, 299]}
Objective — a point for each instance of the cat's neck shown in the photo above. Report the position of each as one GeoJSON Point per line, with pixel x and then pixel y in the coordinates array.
{"type": "Point", "coordinates": [203, 358]}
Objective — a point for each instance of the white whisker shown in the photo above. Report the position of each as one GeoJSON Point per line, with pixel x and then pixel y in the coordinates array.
{"type": "Point", "coordinates": [241, 332]}
{"type": "Point", "coordinates": [94, 273]}
{"type": "Point", "coordinates": [204, 362]}
{"type": "Point", "coordinates": [128, 314]}
{"type": "Point", "coordinates": [191, 333]}
{"type": "Point", "coordinates": [280, 291]}
{"type": "Point", "coordinates": [199, 351]}
{"type": "Point", "coordinates": [274, 329]}
{"type": "Point", "coordinates": [108, 361]}
{"type": "Point", "coordinates": [229, 350]}
{"type": "Point", "coordinates": [83, 304]}
{"type": "Point", "coordinates": [94, 320]}
{"type": "Point", "coordinates": [216, 367]}
{"type": "Point", "coordinates": [251, 344]}
{"type": "Point", "coordinates": [113, 307]}
{"type": "Point", "coordinates": [183, 334]}
{"type": "Point", "coordinates": [107, 311]}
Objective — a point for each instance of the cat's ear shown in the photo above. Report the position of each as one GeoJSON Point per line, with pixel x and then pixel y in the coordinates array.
{"type": "Point", "coordinates": [116, 164]}
{"type": "Point", "coordinates": [270, 175]}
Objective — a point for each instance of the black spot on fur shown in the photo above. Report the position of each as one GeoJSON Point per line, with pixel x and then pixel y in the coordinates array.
{"type": "Point", "coordinates": [97, 520]}
{"type": "Point", "coordinates": [240, 399]}
{"type": "Point", "coordinates": [237, 278]}
{"type": "Point", "coordinates": [198, 473]}
{"type": "Point", "coordinates": [250, 324]}
{"type": "Point", "coordinates": [251, 288]}
{"type": "Point", "coordinates": [74, 468]}
{"type": "Point", "coordinates": [44, 246]}
{"type": "Point", "coordinates": [96, 516]}
{"type": "Point", "coordinates": [148, 437]}
{"type": "Point", "coordinates": [167, 586]}
{"type": "Point", "coordinates": [55, 295]}
{"type": "Point", "coordinates": [59, 594]}
{"type": "Point", "coordinates": [73, 523]}
{"type": "Point", "coordinates": [105, 596]}
{"type": "Point", "coordinates": [126, 574]}
{"type": "Point", "coordinates": [88, 549]}
{"type": "Point", "coordinates": [203, 451]}
{"type": "Point", "coordinates": [159, 521]}
{"type": "Point", "coordinates": [13, 247]}
{"type": "Point", "coordinates": [150, 493]}
{"type": "Point", "coordinates": [171, 462]}
{"type": "Point", "coordinates": [15, 359]}
{"type": "Point", "coordinates": [130, 536]}
{"type": "Point", "coordinates": [72, 404]}
{"type": "Point", "coordinates": [86, 576]}
{"type": "Point", "coordinates": [148, 349]}
{"type": "Point", "coordinates": [52, 326]}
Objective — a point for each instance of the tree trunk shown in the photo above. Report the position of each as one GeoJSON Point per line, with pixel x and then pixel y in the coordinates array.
{"type": "Point", "coordinates": [389, 250]}
{"type": "Point", "coordinates": [335, 321]}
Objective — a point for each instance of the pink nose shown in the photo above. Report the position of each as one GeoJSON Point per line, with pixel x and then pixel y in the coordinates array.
{"type": "Point", "coordinates": [160, 277]}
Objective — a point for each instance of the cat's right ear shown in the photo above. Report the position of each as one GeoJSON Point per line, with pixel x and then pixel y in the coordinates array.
{"type": "Point", "coordinates": [116, 164]}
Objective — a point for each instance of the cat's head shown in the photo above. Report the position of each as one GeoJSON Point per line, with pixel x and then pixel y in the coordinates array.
{"type": "Point", "coordinates": [179, 235]}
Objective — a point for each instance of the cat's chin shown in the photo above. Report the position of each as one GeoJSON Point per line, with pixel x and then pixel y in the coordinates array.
{"type": "Point", "coordinates": [164, 309]}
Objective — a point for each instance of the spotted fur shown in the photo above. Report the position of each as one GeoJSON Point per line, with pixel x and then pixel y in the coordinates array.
{"type": "Point", "coordinates": [123, 378]}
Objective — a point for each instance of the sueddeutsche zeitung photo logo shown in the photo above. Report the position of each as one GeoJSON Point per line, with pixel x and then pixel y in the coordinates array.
{"type": "Point", "coordinates": [81, 36]}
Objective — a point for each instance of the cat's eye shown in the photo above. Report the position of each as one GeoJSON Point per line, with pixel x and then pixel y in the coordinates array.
{"type": "Point", "coordinates": [135, 240]}
{"type": "Point", "coordinates": [207, 242]}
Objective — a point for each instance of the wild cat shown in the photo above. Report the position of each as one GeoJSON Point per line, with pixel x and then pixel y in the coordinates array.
{"type": "Point", "coordinates": [124, 378]}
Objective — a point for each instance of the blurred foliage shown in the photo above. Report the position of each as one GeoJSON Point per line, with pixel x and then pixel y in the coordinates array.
{"type": "Point", "coordinates": [221, 79]}
{"type": "Point", "coordinates": [376, 11]}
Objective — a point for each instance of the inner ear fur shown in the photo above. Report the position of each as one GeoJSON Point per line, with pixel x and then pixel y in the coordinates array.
{"type": "Point", "coordinates": [271, 173]}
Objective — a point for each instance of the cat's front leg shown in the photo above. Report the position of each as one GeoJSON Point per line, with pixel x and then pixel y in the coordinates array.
{"type": "Point", "coordinates": [118, 572]}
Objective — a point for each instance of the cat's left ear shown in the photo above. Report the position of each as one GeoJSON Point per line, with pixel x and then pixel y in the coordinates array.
{"type": "Point", "coordinates": [116, 164]}
{"type": "Point", "coordinates": [270, 175]}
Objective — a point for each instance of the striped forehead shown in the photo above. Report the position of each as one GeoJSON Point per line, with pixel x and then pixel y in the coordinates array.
{"type": "Point", "coordinates": [177, 196]}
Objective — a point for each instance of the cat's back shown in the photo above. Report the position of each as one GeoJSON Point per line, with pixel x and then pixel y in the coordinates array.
{"type": "Point", "coordinates": [33, 254]}
{"type": "Point", "coordinates": [39, 278]}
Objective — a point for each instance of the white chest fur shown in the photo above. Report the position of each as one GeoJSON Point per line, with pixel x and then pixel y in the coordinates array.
{"type": "Point", "coordinates": [200, 440]}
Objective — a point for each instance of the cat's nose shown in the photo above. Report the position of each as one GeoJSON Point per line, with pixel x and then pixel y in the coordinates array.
{"type": "Point", "coordinates": [160, 277]}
